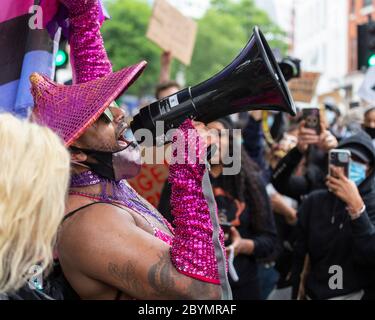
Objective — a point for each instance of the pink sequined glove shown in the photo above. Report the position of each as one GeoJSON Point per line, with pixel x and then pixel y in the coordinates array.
{"type": "Point", "coordinates": [192, 250]}
{"type": "Point", "coordinates": [88, 55]}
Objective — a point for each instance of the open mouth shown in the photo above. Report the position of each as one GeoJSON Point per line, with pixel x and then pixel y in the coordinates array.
{"type": "Point", "coordinates": [122, 142]}
{"type": "Point", "coordinates": [120, 139]}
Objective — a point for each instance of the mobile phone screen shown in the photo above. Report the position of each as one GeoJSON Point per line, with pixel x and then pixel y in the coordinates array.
{"type": "Point", "coordinates": [312, 119]}
{"type": "Point", "coordinates": [226, 227]}
{"type": "Point", "coordinates": [340, 159]}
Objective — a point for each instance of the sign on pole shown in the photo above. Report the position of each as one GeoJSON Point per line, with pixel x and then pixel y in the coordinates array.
{"type": "Point", "coordinates": [172, 31]}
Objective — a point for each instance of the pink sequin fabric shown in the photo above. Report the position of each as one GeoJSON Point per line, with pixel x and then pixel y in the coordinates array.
{"type": "Point", "coordinates": [89, 58]}
{"type": "Point", "coordinates": [192, 250]}
{"type": "Point", "coordinates": [161, 235]}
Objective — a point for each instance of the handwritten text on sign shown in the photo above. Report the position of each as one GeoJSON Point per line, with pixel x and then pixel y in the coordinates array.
{"type": "Point", "coordinates": [150, 182]}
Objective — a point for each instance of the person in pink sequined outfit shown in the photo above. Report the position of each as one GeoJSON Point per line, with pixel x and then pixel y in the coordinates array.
{"type": "Point", "coordinates": [112, 243]}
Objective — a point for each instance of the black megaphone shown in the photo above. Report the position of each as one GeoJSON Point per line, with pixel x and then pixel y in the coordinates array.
{"type": "Point", "coordinates": [253, 81]}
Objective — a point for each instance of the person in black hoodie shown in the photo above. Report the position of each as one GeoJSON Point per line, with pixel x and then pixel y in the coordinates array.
{"type": "Point", "coordinates": [364, 236]}
{"type": "Point", "coordinates": [333, 240]}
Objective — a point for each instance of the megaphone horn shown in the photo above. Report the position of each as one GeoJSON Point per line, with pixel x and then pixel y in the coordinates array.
{"type": "Point", "coordinates": [253, 81]}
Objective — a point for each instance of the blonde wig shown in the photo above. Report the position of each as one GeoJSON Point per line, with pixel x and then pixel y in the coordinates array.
{"type": "Point", "coordinates": [34, 174]}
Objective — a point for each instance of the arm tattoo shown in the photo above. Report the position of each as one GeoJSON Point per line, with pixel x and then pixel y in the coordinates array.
{"type": "Point", "coordinates": [161, 279]}
{"type": "Point", "coordinates": [126, 275]}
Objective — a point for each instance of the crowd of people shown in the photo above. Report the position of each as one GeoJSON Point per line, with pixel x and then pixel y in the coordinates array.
{"type": "Point", "coordinates": [293, 225]}
{"type": "Point", "coordinates": [293, 219]}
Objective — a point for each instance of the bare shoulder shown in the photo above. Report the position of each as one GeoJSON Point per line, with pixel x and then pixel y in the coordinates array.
{"type": "Point", "coordinates": [98, 214]}
{"type": "Point", "coordinates": [93, 224]}
{"type": "Point", "coordinates": [82, 240]}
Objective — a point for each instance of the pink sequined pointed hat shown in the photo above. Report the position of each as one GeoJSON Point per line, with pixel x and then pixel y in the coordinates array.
{"type": "Point", "coordinates": [70, 110]}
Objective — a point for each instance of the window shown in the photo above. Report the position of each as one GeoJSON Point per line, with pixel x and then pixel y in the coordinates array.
{"type": "Point", "coordinates": [367, 3]}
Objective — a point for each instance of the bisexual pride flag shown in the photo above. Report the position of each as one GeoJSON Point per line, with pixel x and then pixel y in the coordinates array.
{"type": "Point", "coordinates": [29, 45]}
{"type": "Point", "coordinates": [25, 47]}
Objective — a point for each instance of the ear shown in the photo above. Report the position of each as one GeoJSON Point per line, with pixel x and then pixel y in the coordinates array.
{"type": "Point", "coordinates": [78, 156]}
{"type": "Point", "coordinates": [369, 170]}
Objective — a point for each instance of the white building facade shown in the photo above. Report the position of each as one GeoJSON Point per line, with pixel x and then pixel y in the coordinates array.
{"type": "Point", "coordinates": [321, 40]}
{"type": "Point", "coordinates": [279, 11]}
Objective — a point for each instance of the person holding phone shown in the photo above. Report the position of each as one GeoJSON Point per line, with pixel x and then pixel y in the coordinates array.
{"type": "Point", "coordinates": [330, 231]}
{"type": "Point", "coordinates": [313, 146]}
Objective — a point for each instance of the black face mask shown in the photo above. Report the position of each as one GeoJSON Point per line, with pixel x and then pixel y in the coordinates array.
{"type": "Point", "coordinates": [115, 166]}
{"type": "Point", "coordinates": [370, 132]}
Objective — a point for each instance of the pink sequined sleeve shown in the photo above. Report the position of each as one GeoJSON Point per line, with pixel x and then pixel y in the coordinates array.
{"type": "Point", "coordinates": [192, 251]}
{"type": "Point", "coordinates": [88, 55]}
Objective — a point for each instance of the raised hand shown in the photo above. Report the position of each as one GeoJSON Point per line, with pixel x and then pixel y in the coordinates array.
{"type": "Point", "coordinates": [345, 189]}
{"type": "Point", "coordinates": [306, 137]}
{"type": "Point", "coordinates": [165, 66]}
{"type": "Point", "coordinates": [327, 141]}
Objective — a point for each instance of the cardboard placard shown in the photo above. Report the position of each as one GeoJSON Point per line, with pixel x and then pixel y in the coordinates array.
{"type": "Point", "coordinates": [303, 89]}
{"type": "Point", "coordinates": [172, 31]}
{"type": "Point", "coordinates": [333, 96]}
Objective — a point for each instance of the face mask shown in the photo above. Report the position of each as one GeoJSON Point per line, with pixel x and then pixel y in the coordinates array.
{"type": "Point", "coordinates": [124, 164]}
{"type": "Point", "coordinates": [271, 121]}
{"type": "Point", "coordinates": [129, 136]}
{"type": "Point", "coordinates": [331, 117]}
{"type": "Point", "coordinates": [370, 132]}
{"type": "Point", "coordinates": [357, 172]}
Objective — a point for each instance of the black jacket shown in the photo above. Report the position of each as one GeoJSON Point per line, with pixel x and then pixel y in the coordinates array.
{"type": "Point", "coordinates": [327, 234]}
{"type": "Point", "coordinates": [264, 236]}
{"type": "Point", "coordinates": [364, 238]}
{"type": "Point", "coordinates": [285, 182]}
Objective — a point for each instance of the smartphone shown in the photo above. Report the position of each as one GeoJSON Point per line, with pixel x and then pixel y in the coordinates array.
{"type": "Point", "coordinates": [226, 226]}
{"type": "Point", "coordinates": [339, 158]}
{"type": "Point", "coordinates": [312, 119]}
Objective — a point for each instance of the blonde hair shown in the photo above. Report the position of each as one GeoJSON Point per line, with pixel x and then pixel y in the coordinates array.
{"type": "Point", "coordinates": [34, 174]}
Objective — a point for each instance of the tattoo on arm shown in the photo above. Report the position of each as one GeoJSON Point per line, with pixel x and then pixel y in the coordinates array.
{"type": "Point", "coordinates": [161, 279]}
{"type": "Point", "coordinates": [126, 275]}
